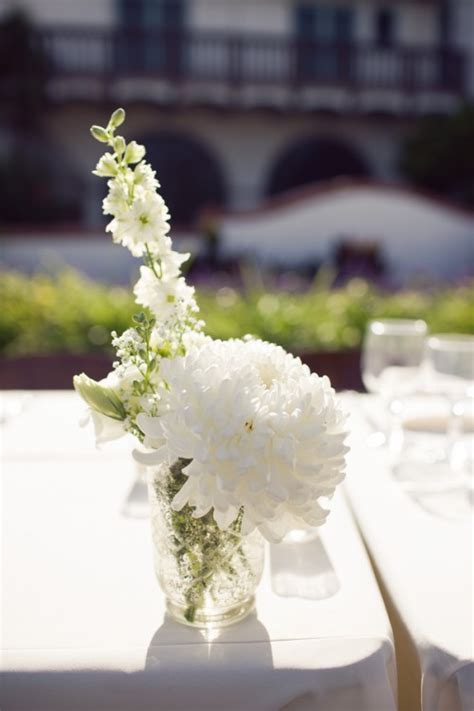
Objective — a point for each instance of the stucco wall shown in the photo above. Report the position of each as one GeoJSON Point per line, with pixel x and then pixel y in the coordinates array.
{"type": "Point", "coordinates": [241, 16]}
{"type": "Point", "coordinates": [417, 23]}
{"type": "Point", "coordinates": [416, 235]}
{"type": "Point", "coordinates": [83, 12]}
{"type": "Point", "coordinates": [246, 145]}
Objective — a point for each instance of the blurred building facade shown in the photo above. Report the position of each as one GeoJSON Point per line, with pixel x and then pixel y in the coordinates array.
{"type": "Point", "coordinates": [236, 100]}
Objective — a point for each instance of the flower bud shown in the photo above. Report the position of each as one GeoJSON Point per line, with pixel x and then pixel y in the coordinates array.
{"type": "Point", "coordinates": [99, 398]}
{"type": "Point", "coordinates": [134, 153]}
{"type": "Point", "coordinates": [107, 166]}
{"type": "Point", "coordinates": [100, 134]}
{"type": "Point", "coordinates": [117, 118]}
{"type": "Point", "coordinates": [119, 145]}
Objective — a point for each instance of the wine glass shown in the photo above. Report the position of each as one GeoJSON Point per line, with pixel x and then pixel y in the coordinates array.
{"type": "Point", "coordinates": [392, 354]}
{"type": "Point", "coordinates": [450, 373]}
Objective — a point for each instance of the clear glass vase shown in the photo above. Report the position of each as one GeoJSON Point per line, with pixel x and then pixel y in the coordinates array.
{"type": "Point", "coordinates": [208, 576]}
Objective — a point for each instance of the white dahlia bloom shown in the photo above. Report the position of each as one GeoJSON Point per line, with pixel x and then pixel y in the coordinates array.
{"type": "Point", "coordinates": [144, 223]}
{"type": "Point", "coordinates": [165, 297]}
{"type": "Point", "coordinates": [262, 431]}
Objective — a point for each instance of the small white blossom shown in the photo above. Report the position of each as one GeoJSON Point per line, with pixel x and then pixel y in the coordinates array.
{"type": "Point", "coordinates": [117, 201]}
{"type": "Point", "coordinates": [107, 167]}
{"type": "Point", "coordinates": [128, 345]}
{"type": "Point", "coordinates": [170, 263]}
{"type": "Point", "coordinates": [144, 176]}
{"type": "Point", "coordinates": [134, 152]}
{"type": "Point", "coordinates": [144, 223]}
{"type": "Point", "coordinates": [164, 296]}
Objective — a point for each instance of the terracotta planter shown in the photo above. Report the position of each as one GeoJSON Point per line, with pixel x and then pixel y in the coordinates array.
{"type": "Point", "coordinates": [50, 372]}
{"type": "Point", "coordinates": [341, 367]}
{"type": "Point", "coordinates": [55, 371]}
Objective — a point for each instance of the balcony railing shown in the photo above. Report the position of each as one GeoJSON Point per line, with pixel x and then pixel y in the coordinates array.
{"type": "Point", "coordinates": [251, 59]}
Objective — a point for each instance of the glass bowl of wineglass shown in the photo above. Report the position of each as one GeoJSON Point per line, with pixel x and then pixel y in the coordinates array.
{"type": "Point", "coordinates": [450, 374]}
{"type": "Point", "coordinates": [392, 355]}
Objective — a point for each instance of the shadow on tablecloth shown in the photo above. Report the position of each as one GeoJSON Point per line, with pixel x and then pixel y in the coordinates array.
{"type": "Point", "coordinates": [217, 643]}
{"type": "Point", "coordinates": [303, 570]}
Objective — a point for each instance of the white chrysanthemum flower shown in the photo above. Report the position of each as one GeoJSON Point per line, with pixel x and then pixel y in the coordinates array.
{"type": "Point", "coordinates": [144, 223]}
{"type": "Point", "coordinates": [262, 431]}
{"type": "Point", "coordinates": [164, 296]}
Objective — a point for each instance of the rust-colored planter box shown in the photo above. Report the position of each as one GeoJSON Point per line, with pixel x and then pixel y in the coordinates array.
{"type": "Point", "coordinates": [341, 367]}
{"type": "Point", "coordinates": [50, 372]}
{"type": "Point", "coordinates": [55, 371]}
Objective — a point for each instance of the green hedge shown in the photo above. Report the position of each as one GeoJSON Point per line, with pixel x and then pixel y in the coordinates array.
{"type": "Point", "coordinates": [45, 314]}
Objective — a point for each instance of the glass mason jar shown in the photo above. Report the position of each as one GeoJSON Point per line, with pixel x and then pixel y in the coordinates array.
{"type": "Point", "coordinates": [208, 576]}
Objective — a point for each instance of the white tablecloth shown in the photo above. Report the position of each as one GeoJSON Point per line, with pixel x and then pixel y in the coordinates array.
{"type": "Point", "coordinates": [84, 623]}
{"type": "Point", "coordinates": [424, 558]}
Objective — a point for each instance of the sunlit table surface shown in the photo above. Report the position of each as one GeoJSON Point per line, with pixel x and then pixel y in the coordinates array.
{"type": "Point", "coordinates": [84, 622]}
{"type": "Point", "coordinates": [422, 548]}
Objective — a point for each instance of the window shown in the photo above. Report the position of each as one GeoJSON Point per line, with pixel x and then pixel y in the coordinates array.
{"type": "Point", "coordinates": [151, 14]}
{"type": "Point", "coordinates": [344, 24]}
{"type": "Point", "coordinates": [146, 43]}
{"type": "Point", "coordinates": [323, 31]}
{"type": "Point", "coordinates": [324, 23]}
{"type": "Point", "coordinates": [385, 27]}
{"type": "Point", "coordinates": [444, 23]}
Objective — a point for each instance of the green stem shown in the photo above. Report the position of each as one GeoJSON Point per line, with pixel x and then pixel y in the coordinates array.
{"type": "Point", "coordinates": [152, 263]}
{"type": "Point", "coordinates": [203, 549]}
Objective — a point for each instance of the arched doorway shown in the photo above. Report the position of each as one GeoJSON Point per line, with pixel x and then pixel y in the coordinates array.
{"type": "Point", "coordinates": [190, 176]}
{"type": "Point", "coordinates": [311, 160]}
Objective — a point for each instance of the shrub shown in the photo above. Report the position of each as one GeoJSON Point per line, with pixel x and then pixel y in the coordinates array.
{"type": "Point", "coordinates": [439, 155]}
{"type": "Point", "coordinates": [45, 314]}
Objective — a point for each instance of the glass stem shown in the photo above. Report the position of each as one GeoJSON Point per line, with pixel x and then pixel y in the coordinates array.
{"type": "Point", "coordinates": [395, 427]}
{"type": "Point", "coordinates": [454, 434]}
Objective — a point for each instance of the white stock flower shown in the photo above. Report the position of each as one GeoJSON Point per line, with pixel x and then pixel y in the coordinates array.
{"type": "Point", "coordinates": [166, 295]}
{"type": "Point", "coordinates": [170, 263]}
{"type": "Point", "coordinates": [117, 201]}
{"type": "Point", "coordinates": [144, 176]}
{"type": "Point", "coordinates": [134, 152]}
{"type": "Point", "coordinates": [145, 222]}
{"type": "Point", "coordinates": [107, 167]}
{"type": "Point", "coordinates": [263, 433]}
